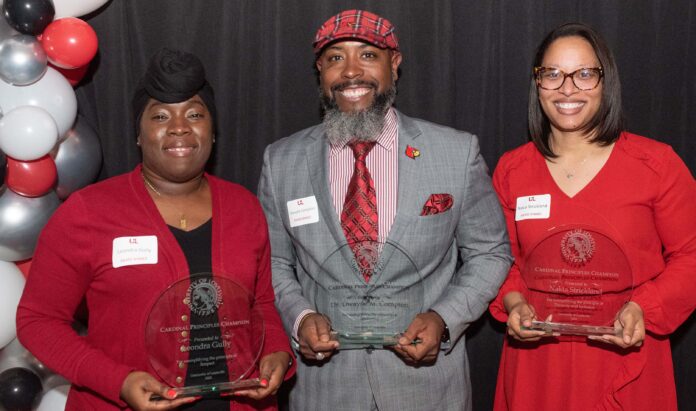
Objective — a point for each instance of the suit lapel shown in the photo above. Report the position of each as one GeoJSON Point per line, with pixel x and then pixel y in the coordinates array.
{"type": "Point", "coordinates": [410, 177]}
{"type": "Point", "coordinates": [318, 166]}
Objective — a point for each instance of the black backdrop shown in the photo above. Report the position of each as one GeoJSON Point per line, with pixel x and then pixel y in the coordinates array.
{"type": "Point", "coordinates": [466, 64]}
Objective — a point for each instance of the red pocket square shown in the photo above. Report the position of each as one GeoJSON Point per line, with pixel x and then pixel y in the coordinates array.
{"type": "Point", "coordinates": [437, 203]}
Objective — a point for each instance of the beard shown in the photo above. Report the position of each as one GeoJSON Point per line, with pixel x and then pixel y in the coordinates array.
{"type": "Point", "coordinates": [363, 125]}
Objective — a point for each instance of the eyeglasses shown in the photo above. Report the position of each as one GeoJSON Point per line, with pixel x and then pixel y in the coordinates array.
{"type": "Point", "coordinates": [586, 78]}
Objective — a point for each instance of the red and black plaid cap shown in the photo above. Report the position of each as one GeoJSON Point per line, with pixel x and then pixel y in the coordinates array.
{"type": "Point", "coordinates": [356, 24]}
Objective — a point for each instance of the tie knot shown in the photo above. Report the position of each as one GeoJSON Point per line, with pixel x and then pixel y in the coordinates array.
{"type": "Point", "coordinates": [361, 148]}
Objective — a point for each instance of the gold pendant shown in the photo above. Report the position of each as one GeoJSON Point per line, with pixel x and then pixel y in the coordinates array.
{"type": "Point", "coordinates": [182, 222]}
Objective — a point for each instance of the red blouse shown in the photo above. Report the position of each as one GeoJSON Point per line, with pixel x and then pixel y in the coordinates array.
{"type": "Point", "coordinates": [646, 197]}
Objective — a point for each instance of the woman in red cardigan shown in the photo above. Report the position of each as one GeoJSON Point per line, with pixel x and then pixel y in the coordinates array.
{"type": "Point", "coordinates": [120, 243]}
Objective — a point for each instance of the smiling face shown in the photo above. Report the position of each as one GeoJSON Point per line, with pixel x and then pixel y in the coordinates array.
{"type": "Point", "coordinates": [570, 109]}
{"type": "Point", "coordinates": [176, 139]}
{"type": "Point", "coordinates": [353, 73]}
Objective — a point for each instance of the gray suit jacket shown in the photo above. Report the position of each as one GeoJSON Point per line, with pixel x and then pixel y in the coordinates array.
{"type": "Point", "coordinates": [463, 256]}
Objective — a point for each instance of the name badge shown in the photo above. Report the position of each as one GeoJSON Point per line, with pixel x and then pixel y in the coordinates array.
{"type": "Point", "coordinates": [303, 211]}
{"type": "Point", "coordinates": [134, 251]}
{"type": "Point", "coordinates": [533, 207]}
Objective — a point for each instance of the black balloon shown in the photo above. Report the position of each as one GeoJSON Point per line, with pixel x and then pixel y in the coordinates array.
{"type": "Point", "coordinates": [3, 163]}
{"type": "Point", "coordinates": [29, 16]}
{"type": "Point", "coordinates": [19, 389]}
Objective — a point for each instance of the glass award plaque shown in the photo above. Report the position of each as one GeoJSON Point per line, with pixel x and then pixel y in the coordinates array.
{"type": "Point", "coordinates": [204, 335]}
{"type": "Point", "coordinates": [370, 292]}
{"type": "Point", "coordinates": [581, 277]}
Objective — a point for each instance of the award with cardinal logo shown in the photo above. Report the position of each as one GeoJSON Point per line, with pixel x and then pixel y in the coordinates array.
{"type": "Point", "coordinates": [580, 277]}
{"type": "Point", "coordinates": [370, 292]}
{"type": "Point", "coordinates": [204, 335]}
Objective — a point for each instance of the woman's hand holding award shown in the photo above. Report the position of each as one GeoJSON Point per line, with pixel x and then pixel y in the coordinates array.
{"type": "Point", "coordinates": [580, 277]}
{"type": "Point", "coordinates": [204, 335]}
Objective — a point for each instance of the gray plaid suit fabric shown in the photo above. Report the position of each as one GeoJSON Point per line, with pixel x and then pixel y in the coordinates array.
{"type": "Point", "coordinates": [462, 254]}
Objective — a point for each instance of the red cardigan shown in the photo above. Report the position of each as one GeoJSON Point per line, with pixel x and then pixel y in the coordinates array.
{"type": "Point", "coordinates": [73, 260]}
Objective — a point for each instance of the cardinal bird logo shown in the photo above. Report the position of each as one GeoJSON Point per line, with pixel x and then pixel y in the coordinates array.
{"type": "Point", "coordinates": [412, 152]}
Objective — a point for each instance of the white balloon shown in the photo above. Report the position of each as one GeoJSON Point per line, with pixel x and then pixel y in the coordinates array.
{"type": "Point", "coordinates": [52, 93]}
{"type": "Point", "coordinates": [27, 133]}
{"type": "Point", "coordinates": [11, 287]}
{"type": "Point", "coordinates": [54, 399]}
{"type": "Point", "coordinates": [75, 8]}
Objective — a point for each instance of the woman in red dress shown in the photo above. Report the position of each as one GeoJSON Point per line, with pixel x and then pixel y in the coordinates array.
{"type": "Point", "coordinates": [582, 169]}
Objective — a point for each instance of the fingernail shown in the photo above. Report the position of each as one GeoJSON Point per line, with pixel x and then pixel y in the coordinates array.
{"type": "Point", "coordinates": [171, 393]}
{"type": "Point", "coordinates": [264, 382]}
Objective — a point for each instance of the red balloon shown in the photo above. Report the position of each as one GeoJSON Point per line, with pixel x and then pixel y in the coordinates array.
{"type": "Point", "coordinates": [31, 178]}
{"type": "Point", "coordinates": [74, 76]}
{"type": "Point", "coordinates": [69, 42]}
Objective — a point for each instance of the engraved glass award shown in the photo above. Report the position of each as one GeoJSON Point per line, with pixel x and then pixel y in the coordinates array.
{"type": "Point", "coordinates": [370, 292]}
{"type": "Point", "coordinates": [204, 335]}
{"type": "Point", "coordinates": [581, 277]}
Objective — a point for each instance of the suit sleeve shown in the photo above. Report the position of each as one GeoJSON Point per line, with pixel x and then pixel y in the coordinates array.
{"type": "Point", "coordinates": [484, 250]}
{"type": "Point", "coordinates": [276, 339]}
{"type": "Point", "coordinates": [59, 278]}
{"type": "Point", "coordinates": [289, 299]}
{"type": "Point", "coordinates": [668, 299]}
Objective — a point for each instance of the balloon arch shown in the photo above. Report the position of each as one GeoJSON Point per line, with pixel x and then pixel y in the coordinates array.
{"type": "Point", "coordinates": [47, 152]}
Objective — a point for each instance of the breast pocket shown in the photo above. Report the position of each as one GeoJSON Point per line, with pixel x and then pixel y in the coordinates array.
{"type": "Point", "coordinates": [431, 231]}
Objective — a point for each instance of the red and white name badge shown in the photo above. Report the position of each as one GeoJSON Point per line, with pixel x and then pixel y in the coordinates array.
{"type": "Point", "coordinates": [303, 211]}
{"type": "Point", "coordinates": [535, 206]}
{"type": "Point", "coordinates": [134, 250]}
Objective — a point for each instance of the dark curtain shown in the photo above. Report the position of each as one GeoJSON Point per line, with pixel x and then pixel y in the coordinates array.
{"type": "Point", "coordinates": [466, 64]}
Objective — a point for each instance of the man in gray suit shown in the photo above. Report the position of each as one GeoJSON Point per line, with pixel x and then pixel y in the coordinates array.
{"type": "Point", "coordinates": [422, 189]}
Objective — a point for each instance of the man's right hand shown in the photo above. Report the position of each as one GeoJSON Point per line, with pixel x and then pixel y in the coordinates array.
{"type": "Point", "coordinates": [139, 386]}
{"type": "Point", "coordinates": [314, 335]}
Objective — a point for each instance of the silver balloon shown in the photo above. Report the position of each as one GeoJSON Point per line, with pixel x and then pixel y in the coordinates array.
{"type": "Point", "coordinates": [13, 355]}
{"type": "Point", "coordinates": [3, 163]}
{"type": "Point", "coordinates": [22, 60]}
{"type": "Point", "coordinates": [21, 221]}
{"type": "Point", "coordinates": [52, 381]}
{"type": "Point", "coordinates": [78, 159]}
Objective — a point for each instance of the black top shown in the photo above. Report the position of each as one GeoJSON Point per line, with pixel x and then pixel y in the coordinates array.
{"type": "Point", "coordinates": [196, 245]}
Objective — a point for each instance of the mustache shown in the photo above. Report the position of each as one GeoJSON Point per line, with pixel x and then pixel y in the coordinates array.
{"type": "Point", "coordinates": [353, 83]}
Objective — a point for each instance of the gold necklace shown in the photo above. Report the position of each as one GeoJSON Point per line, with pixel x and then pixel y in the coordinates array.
{"type": "Point", "coordinates": [148, 183]}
